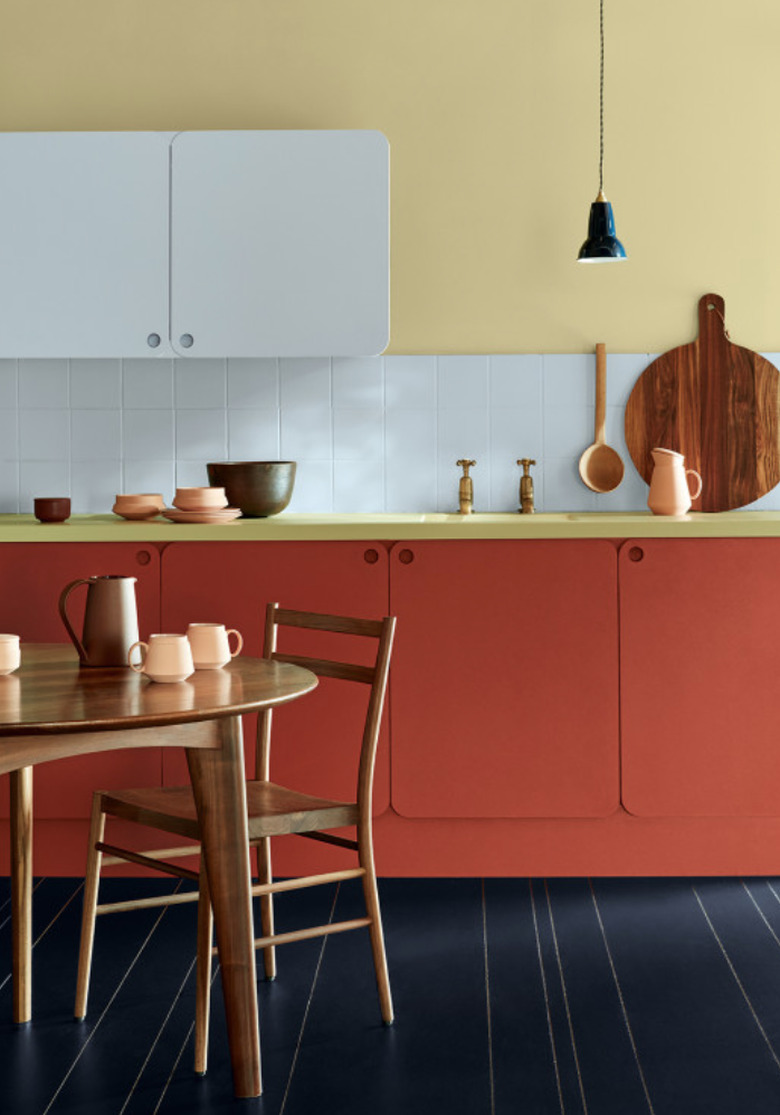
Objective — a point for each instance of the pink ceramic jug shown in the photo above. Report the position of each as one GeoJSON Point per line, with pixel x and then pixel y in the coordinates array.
{"type": "Point", "coordinates": [670, 493]}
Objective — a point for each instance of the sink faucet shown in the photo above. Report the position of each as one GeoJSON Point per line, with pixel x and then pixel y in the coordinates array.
{"type": "Point", "coordinates": [526, 487]}
{"type": "Point", "coordinates": [466, 488]}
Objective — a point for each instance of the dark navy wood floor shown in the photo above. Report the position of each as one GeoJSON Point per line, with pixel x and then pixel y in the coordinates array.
{"type": "Point", "coordinates": [558, 997]}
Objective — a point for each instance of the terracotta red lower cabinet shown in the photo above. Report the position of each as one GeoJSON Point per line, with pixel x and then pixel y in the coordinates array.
{"type": "Point", "coordinates": [231, 583]}
{"type": "Point", "coordinates": [31, 579]}
{"type": "Point", "coordinates": [572, 707]}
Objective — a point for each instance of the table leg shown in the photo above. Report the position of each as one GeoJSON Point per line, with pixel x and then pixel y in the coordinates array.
{"type": "Point", "coordinates": [21, 891]}
{"type": "Point", "coordinates": [220, 797]}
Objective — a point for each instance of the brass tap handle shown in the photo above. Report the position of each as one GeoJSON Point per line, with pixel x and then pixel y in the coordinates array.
{"type": "Point", "coordinates": [465, 488]}
{"type": "Point", "coordinates": [526, 487]}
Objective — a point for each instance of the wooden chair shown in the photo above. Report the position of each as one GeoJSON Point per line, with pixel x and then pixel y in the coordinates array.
{"type": "Point", "coordinates": [273, 811]}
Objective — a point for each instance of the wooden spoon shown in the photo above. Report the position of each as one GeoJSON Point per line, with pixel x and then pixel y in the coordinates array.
{"type": "Point", "coordinates": [601, 467]}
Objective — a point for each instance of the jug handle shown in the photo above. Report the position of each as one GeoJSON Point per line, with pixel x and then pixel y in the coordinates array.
{"type": "Point", "coordinates": [64, 615]}
{"type": "Point", "coordinates": [693, 472]}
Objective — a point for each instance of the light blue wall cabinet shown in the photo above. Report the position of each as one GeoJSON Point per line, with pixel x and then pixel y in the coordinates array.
{"type": "Point", "coordinates": [84, 242]}
{"type": "Point", "coordinates": [239, 243]}
{"type": "Point", "coordinates": [279, 243]}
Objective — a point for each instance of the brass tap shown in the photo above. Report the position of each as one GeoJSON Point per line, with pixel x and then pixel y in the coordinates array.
{"type": "Point", "coordinates": [526, 487]}
{"type": "Point", "coordinates": [466, 488]}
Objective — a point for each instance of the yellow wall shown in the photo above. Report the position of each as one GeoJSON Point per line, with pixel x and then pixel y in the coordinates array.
{"type": "Point", "coordinates": [491, 109]}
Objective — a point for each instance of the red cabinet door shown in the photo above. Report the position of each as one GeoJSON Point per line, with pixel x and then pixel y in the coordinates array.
{"type": "Point", "coordinates": [700, 663]}
{"type": "Point", "coordinates": [315, 739]}
{"type": "Point", "coordinates": [32, 575]}
{"type": "Point", "coordinates": [504, 694]}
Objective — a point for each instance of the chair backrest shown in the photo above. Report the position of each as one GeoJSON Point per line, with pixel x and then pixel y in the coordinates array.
{"type": "Point", "coordinates": [382, 631]}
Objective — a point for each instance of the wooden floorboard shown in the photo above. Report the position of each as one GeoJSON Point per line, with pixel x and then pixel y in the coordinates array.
{"type": "Point", "coordinates": [547, 997]}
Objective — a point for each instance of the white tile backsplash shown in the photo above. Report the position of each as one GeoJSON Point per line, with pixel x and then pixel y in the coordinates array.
{"type": "Point", "coordinates": [369, 434]}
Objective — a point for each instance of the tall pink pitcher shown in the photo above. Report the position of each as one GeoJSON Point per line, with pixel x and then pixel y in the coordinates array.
{"type": "Point", "coordinates": [670, 491]}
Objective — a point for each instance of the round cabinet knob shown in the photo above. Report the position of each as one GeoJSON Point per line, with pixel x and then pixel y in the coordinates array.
{"type": "Point", "coordinates": [153, 340]}
{"type": "Point", "coordinates": [636, 553]}
{"type": "Point", "coordinates": [143, 557]}
{"type": "Point", "coordinates": [371, 557]}
{"type": "Point", "coordinates": [186, 340]}
{"type": "Point", "coordinates": [406, 557]}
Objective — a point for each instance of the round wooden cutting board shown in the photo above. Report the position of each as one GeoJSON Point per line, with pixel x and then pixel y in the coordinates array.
{"type": "Point", "coordinates": [716, 403]}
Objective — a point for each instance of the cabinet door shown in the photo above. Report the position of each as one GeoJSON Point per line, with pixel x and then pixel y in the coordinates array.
{"type": "Point", "coordinates": [504, 696]}
{"type": "Point", "coordinates": [31, 579]}
{"type": "Point", "coordinates": [84, 234]}
{"type": "Point", "coordinates": [700, 661]}
{"type": "Point", "coordinates": [316, 739]}
{"type": "Point", "coordinates": [279, 243]}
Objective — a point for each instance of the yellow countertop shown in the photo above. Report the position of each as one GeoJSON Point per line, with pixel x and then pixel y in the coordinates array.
{"type": "Point", "coordinates": [389, 526]}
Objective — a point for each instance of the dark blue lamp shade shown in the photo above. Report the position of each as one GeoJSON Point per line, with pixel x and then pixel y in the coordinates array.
{"type": "Point", "coordinates": [601, 245]}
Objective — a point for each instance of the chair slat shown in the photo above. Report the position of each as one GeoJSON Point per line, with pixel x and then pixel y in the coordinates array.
{"type": "Point", "coordinates": [327, 668]}
{"type": "Point", "coordinates": [343, 625]}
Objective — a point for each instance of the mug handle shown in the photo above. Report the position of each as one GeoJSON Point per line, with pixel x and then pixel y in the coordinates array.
{"type": "Point", "coordinates": [693, 472]}
{"type": "Point", "coordinates": [131, 664]}
{"type": "Point", "coordinates": [239, 641]}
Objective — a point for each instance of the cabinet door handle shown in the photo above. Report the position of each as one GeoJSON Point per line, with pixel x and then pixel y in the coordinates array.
{"type": "Point", "coordinates": [186, 340]}
{"type": "Point", "coordinates": [371, 557]}
{"type": "Point", "coordinates": [153, 340]}
{"type": "Point", "coordinates": [636, 553]}
{"type": "Point", "coordinates": [406, 557]}
{"type": "Point", "coordinates": [143, 557]}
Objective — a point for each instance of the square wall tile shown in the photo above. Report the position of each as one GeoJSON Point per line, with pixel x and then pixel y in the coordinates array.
{"type": "Point", "coordinates": [568, 430]}
{"type": "Point", "coordinates": [96, 384]}
{"type": "Point", "coordinates": [253, 383]}
{"type": "Point", "coordinates": [516, 381]}
{"type": "Point", "coordinates": [462, 381]}
{"type": "Point", "coordinates": [190, 474]}
{"type": "Point", "coordinates": [150, 476]}
{"type": "Point", "coordinates": [44, 435]}
{"type": "Point", "coordinates": [43, 383]}
{"type": "Point", "coordinates": [93, 486]}
{"type": "Point", "coordinates": [569, 380]}
{"type": "Point", "coordinates": [9, 488]}
{"type": "Point", "coordinates": [563, 487]}
{"type": "Point", "coordinates": [358, 434]}
{"type": "Point", "coordinates": [410, 382]}
{"type": "Point", "coordinates": [201, 435]}
{"type": "Point", "coordinates": [305, 382]}
{"type": "Point", "coordinates": [200, 384]}
{"type": "Point", "coordinates": [147, 384]}
{"type": "Point", "coordinates": [306, 434]}
{"type": "Point", "coordinates": [358, 381]}
{"type": "Point", "coordinates": [148, 434]}
{"type": "Point", "coordinates": [9, 384]}
{"type": "Point", "coordinates": [42, 478]}
{"type": "Point", "coordinates": [410, 460]}
{"type": "Point", "coordinates": [313, 491]}
{"type": "Point", "coordinates": [9, 435]}
{"type": "Point", "coordinates": [358, 486]}
{"type": "Point", "coordinates": [253, 434]}
{"type": "Point", "coordinates": [623, 370]}
{"type": "Point", "coordinates": [95, 435]}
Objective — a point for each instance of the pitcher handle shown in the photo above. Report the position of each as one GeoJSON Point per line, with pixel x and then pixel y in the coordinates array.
{"type": "Point", "coordinates": [239, 641]}
{"type": "Point", "coordinates": [139, 669]}
{"type": "Point", "coordinates": [693, 472]}
{"type": "Point", "coordinates": [64, 615]}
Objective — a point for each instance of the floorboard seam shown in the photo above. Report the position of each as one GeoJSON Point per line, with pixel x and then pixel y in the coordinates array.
{"type": "Point", "coordinates": [491, 1077]}
{"type": "Point", "coordinates": [545, 991]}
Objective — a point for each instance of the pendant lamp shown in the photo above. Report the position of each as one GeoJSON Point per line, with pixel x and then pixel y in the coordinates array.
{"type": "Point", "coordinates": [602, 245]}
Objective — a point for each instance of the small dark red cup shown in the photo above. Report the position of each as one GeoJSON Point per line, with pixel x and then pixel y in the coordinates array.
{"type": "Point", "coordinates": [54, 510]}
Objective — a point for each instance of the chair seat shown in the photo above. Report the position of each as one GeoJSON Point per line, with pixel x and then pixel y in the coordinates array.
{"type": "Point", "coordinates": [273, 810]}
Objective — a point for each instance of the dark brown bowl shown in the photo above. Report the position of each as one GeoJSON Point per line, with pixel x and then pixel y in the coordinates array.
{"type": "Point", "coordinates": [259, 488]}
{"type": "Point", "coordinates": [53, 510]}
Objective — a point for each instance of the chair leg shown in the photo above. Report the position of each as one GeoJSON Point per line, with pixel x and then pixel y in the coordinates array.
{"type": "Point", "coordinates": [265, 875]}
{"type": "Point", "coordinates": [376, 933]}
{"type": "Point", "coordinates": [203, 975]}
{"type": "Point", "coordinates": [91, 884]}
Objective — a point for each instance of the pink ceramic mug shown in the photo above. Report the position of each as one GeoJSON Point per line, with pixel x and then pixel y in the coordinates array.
{"type": "Point", "coordinates": [210, 644]}
{"type": "Point", "coordinates": [164, 658]}
{"type": "Point", "coordinates": [10, 655]}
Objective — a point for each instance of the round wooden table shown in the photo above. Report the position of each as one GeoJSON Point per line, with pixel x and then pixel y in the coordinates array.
{"type": "Point", "coordinates": [51, 707]}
